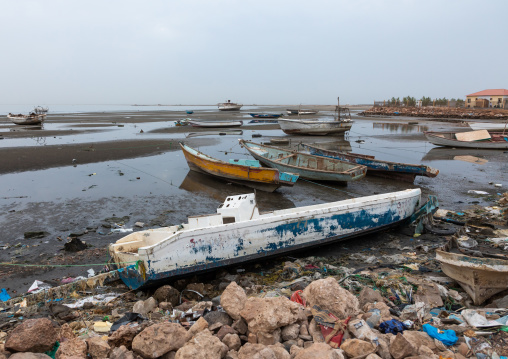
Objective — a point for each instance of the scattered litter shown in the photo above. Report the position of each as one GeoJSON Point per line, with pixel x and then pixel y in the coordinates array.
{"type": "Point", "coordinates": [4, 296]}
{"type": "Point", "coordinates": [38, 286]}
{"type": "Point", "coordinates": [392, 326]}
{"type": "Point", "coordinates": [94, 299]}
{"type": "Point", "coordinates": [102, 327]}
{"type": "Point", "coordinates": [472, 191]}
{"type": "Point", "coordinates": [447, 337]}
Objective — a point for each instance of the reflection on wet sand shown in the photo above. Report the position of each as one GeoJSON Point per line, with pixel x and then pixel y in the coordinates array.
{"type": "Point", "coordinates": [447, 153]}
{"type": "Point", "coordinates": [400, 127]}
{"type": "Point", "coordinates": [199, 183]}
{"type": "Point", "coordinates": [338, 145]}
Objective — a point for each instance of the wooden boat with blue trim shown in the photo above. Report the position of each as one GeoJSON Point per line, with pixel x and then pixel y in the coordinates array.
{"type": "Point", "coordinates": [245, 172]}
{"type": "Point", "coordinates": [400, 171]}
{"type": "Point", "coordinates": [239, 232]}
{"type": "Point", "coordinates": [307, 166]}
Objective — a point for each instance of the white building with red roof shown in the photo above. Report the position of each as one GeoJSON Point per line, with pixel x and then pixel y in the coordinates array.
{"type": "Point", "coordinates": [488, 98]}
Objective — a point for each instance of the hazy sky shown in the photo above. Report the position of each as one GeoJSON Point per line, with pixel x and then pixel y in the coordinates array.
{"type": "Point", "coordinates": [254, 52]}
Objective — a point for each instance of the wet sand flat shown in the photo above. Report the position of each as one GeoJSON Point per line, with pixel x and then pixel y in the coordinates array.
{"type": "Point", "coordinates": [128, 165]}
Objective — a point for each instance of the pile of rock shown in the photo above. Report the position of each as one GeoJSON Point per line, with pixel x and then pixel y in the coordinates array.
{"type": "Point", "coordinates": [240, 327]}
{"type": "Point", "coordinates": [439, 112]}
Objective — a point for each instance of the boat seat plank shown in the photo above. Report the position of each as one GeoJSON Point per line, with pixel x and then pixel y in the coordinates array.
{"type": "Point", "coordinates": [473, 135]}
{"type": "Point", "coordinates": [283, 158]}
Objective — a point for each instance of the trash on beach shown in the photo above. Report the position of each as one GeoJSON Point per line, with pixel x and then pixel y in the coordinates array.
{"type": "Point", "coordinates": [392, 326]}
{"type": "Point", "coordinates": [126, 319]}
{"type": "Point", "coordinates": [94, 299]}
{"type": "Point", "coordinates": [121, 230]}
{"type": "Point", "coordinates": [102, 327]}
{"type": "Point", "coordinates": [38, 286]}
{"type": "Point", "coordinates": [472, 191]}
{"type": "Point", "coordinates": [4, 296]}
{"type": "Point", "coordinates": [447, 337]}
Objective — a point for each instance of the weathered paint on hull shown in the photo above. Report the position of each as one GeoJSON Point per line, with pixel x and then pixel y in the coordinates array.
{"type": "Point", "coordinates": [436, 139]}
{"type": "Point", "coordinates": [481, 278]}
{"type": "Point", "coordinates": [401, 171]}
{"type": "Point", "coordinates": [319, 128]}
{"type": "Point", "coordinates": [215, 124]}
{"type": "Point", "coordinates": [265, 179]}
{"type": "Point", "coordinates": [275, 233]}
{"type": "Point", "coordinates": [307, 166]}
{"type": "Point", "coordinates": [267, 187]}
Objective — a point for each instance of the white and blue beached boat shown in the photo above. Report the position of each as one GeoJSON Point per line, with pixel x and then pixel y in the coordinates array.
{"type": "Point", "coordinates": [238, 232]}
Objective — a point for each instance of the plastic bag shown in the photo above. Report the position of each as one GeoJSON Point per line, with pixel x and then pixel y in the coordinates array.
{"type": "Point", "coordinates": [447, 337]}
{"type": "Point", "coordinates": [392, 326]}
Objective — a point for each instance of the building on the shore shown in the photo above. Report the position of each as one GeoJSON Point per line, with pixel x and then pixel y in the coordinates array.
{"type": "Point", "coordinates": [497, 98]}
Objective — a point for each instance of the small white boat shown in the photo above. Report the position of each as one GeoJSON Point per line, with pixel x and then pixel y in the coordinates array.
{"type": "Point", "coordinates": [31, 119]}
{"type": "Point", "coordinates": [314, 127]}
{"type": "Point", "coordinates": [488, 125]}
{"type": "Point", "coordinates": [215, 124]}
{"type": "Point", "coordinates": [301, 112]}
{"type": "Point", "coordinates": [239, 232]}
{"type": "Point", "coordinates": [229, 106]}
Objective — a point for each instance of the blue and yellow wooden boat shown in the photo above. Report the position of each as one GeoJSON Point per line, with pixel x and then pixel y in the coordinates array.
{"type": "Point", "coordinates": [245, 172]}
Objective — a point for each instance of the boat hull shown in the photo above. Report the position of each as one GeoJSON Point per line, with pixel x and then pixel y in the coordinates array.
{"type": "Point", "coordinates": [272, 234]}
{"type": "Point", "coordinates": [265, 115]}
{"type": "Point", "coordinates": [400, 171]}
{"type": "Point", "coordinates": [27, 120]}
{"type": "Point", "coordinates": [488, 126]}
{"type": "Point", "coordinates": [307, 166]}
{"type": "Point", "coordinates": [317, 128]}
{"type": "Point", "coordinates": [264, 179]}
{"type": "Point", "coordinates": [481, 278]}
{"type": "Point", "coordinates": [445, 139]}
{"type": "Point", "coordinates": [215, 124]}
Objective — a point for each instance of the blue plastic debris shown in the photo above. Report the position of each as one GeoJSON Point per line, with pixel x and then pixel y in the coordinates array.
{"type": "Point", "coordinates": [4, 296]}
{"type": "Point", "coordinates": [447, 337]}
{"type": "Point", "coordinates": [391, 326]}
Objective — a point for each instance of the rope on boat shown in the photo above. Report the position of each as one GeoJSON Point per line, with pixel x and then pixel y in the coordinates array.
{"type": "Point", "coordinates": [319, 184]}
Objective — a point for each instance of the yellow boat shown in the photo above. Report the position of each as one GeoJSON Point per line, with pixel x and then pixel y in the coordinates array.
{"type": "Point", "coordinates": [245, 172]}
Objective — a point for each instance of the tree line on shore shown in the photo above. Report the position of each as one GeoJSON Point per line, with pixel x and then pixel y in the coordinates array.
{"type": "Point", "coordinates": [426, 101]}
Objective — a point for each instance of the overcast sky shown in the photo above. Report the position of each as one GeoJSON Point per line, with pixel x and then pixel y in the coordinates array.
{"type": "Point", "coordinates": [254, 52]}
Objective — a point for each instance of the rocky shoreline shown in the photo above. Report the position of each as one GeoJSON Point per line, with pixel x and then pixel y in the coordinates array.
{"type": "Point", "coordinates": [437, 112]}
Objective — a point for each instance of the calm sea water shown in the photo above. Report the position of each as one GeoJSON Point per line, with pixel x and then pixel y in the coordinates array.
{"type": "Point", "coordinates": [5, 109]}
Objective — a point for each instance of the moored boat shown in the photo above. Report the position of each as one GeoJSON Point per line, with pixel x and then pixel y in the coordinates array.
{"type": "Point", "coordinates": [500, 126]}
{"type": "Point", "coordinates": [301, 112]}
{"type": "Point", "coordinates": [238, 232]}
{"type": "Point", "coordinates": [31, 119]}
{"type": "Point", "coordinates": [229, 106]}
{"type": "Point", "coordinates": [245, 172]}
{"type": "Point", "coordinates": [401, 171]}
{"type": "Point", "coordinates": [313, 127]}
{"type": "Point", "coordinates": [266, 115]}
{"type": "Point", "coordinates": [471, 139]}
{"type": "Point", "coordinates": [215, 124]}
{"type": "Point", "coordinates": [481, 277]}
{"type": "Point", "coordinates": [308, 166]}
